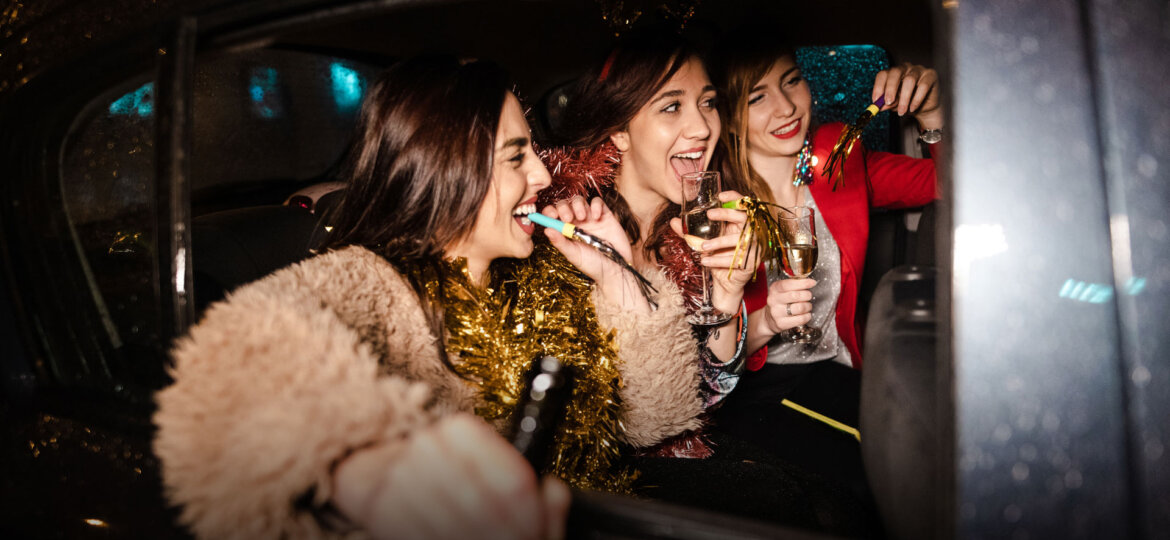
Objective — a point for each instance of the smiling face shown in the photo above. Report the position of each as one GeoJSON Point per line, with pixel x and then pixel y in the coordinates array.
{"type": "Point", "coordinates": [501, 228]}
{"type": "Point", "coordinates": [778, 112]}
{"type": "Point", "coordinates": [672, 134]}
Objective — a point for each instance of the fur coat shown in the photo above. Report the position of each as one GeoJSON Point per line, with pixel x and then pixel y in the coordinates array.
{"type": "Point", "coordinates": [292, 372]}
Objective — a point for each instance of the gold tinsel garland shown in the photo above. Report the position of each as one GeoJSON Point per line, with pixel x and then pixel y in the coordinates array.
{"type": "Point", "coordinates": [534, 307]}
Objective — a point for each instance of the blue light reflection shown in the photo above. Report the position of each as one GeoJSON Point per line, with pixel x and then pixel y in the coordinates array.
{"type": "Point", "coordinates": [348, 86]}
{"type": "Point", "coordinates": [139, 102]}
{"type": "Point", "coordinates": [1135, 285]}
{"type": "Point", "coordinates": [1099, 293]}
{"type": "Point", "coordinates": [262, 88]}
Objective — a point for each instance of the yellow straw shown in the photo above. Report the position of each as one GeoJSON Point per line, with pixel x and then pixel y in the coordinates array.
{"type": "Point", "coordinates": [818, 416]}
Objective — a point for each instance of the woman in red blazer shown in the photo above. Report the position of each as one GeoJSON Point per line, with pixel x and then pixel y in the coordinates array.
{"type": "Point", "coordinates": [769, 106]}
{"type": "Point", "coordinates": [768, 127]}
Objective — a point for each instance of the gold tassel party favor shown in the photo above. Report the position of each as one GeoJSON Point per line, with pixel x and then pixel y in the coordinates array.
{"type": "Point", "coordinates": [835, 165]}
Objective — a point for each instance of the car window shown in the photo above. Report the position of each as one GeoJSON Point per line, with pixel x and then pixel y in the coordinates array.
{"type": "Point", "coordinates": [268, 121]}
{"type": "Point", "coordinates": [265, 123]}
{"type": "Point", "coordinates": [107, 183]}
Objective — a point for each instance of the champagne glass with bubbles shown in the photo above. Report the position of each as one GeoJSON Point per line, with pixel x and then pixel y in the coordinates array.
{"type": "Point", "coordinates": [701, 193]}
{"type": "Point", "coordinates": [799, 233]}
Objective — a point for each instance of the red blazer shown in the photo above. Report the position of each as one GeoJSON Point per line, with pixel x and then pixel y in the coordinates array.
{"type": "Point", "coordinates": [872, 180]}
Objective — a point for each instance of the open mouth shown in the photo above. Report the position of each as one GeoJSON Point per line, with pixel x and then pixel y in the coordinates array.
{"type": "Point", "coordinates": [788, 131]}
{"type": "Point", "coordinates": [520, 214]}
{"type": "Point", "coordinates": [687, 162]}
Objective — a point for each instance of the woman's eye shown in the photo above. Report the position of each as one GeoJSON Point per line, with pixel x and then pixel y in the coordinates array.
{"type": "Point", "coordinates": [517, 159]}
{"type": "Point", "coordinates": [795, 80]}
{"type": "Point", "coordinates": [710, 102]}
{"type": "Point", "coordinates": [671, 108]}
{"type": "Point", "coordinates": [752, 100]}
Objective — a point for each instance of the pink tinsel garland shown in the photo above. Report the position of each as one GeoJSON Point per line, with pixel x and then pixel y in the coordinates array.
{"type": "Point", "coordinates": [578, 172]}
{"type": "Point", "coordinates": [587, 173]}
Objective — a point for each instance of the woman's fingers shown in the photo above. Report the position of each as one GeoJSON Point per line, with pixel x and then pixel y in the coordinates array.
{"type": "Point", "coordinates": [785, 285]}
{"type": "Point", "coordinates": [789, 297]}
{"type": "Point", "coordinates": [791, 309]}
{"type": "Point", "coordinates": [580, 209]}
{"type": "Point", "coordinates": [557, 498]}
{"type": "Point", "coordinates": [557, 239]}
{"type": "Point", "coordinates": [879, 87]}
{"type": "Point", "coordinates": [597, 209]}
{"type": "Point", "coordinates": [923, 89]}
{"type": "Point", "coordinates": [724, 259]}
{"type": "Point", "coordinates": [789, 303]}
{"type": "Point", "coordinates": [729, 195]}
{"type": "Point", "coordinates": [727, 215]}
{"type": "Point", "coordinates": [492, 467]}
{"type": "Point", "coordinates": [781, 322]}
{"type": "Point", "coordinates": [457, 478]}
{"type": "Point", "coordinates": [890, 79]}
{"type": "Point", "coordinates": [727, 241]}
{"type": "Point", "coordinates": [907, 88]}
{"type": "Point", "coordinates": [572, 210]}
{"type": "Point", "coordinates": [569, 210]}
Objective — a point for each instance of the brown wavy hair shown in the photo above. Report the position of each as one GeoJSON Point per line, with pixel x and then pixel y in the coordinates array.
{"type": "Point", "coordinates": [740, 60]}
{"type": "Point", "coordinates": [419, 167]}
{"type": "Point", "coordinates": [610, 95]}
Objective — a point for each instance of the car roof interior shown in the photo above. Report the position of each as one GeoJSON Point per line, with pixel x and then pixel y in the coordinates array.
{"type": "Point", "coordinates": [546, 43]}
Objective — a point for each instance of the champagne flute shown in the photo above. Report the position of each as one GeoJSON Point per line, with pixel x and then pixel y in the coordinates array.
{"type": "Point", "coordinates": [701, 193]}
{"type": "Point", "coordinates": [799, 256]}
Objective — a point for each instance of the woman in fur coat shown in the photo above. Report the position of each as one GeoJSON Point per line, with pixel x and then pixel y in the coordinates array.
{"type": "Point", "coordinates": [363, 390]}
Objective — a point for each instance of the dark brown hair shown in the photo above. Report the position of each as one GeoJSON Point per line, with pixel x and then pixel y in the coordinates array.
{"type": "Point", "coordinates": [610, 95]}
{"type": "Point", "coordinates": [420, 165]}
{"type": "Point", "coordinates": [741, 59]}
{"type": "Point", "coordinates": [421, 161]}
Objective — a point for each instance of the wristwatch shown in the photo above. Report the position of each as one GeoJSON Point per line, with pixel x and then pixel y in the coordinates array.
{"type": "Point", "coordinates": [930, 136]}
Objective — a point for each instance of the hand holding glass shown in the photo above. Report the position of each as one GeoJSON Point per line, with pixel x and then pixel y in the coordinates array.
{"type": "Point", "coordinates": [701, 193]}
{"type": "Point", "coordinates": [799, 231]}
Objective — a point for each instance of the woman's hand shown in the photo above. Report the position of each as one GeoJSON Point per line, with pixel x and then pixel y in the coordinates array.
{"type": "Point", "coordinates": [718, 254]}
{"type": "Point", "coordinates": [789, 304]}
{"type": "Point", "coordinates": [911, 89]}
{"type": "Point", "coordinates": [456, 479]}
{"type": "Point", "coordinates": [594, 218]}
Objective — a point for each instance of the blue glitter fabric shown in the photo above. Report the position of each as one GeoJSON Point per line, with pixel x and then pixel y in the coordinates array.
{"type": "Point", "coordinates": [841, 80]}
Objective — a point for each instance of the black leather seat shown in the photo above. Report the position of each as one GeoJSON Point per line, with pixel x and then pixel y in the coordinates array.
{"type": "Point", "coordinates": [234, 247]}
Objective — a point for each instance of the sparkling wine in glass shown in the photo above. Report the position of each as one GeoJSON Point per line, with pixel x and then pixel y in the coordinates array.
{"type": "Point", "coordinates": [701, 193]}
{"type": "Point", "coordinates": [799, 256]}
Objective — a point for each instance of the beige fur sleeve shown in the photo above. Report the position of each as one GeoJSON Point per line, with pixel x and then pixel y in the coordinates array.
{"type": "Point", "coordinates": [659, 365]}
{"type": "Point", "coordinates": [271, 388]}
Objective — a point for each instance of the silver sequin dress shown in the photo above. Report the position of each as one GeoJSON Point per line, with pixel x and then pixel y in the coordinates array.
{"type": "Point", "coordinates": [825, 294]}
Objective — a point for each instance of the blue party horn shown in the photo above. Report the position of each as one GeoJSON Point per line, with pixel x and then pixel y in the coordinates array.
{"type": "Point", "coordinates": [555, 224]}
{"type": "Point", "coordinates": [572, 232]}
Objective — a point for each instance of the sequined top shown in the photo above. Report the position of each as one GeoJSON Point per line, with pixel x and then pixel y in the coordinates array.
{"type": "Point", "coordinates": [825, 294]}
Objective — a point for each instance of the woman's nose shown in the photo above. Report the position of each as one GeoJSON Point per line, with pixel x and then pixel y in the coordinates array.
{"type": "Point", "coordinates": [538, 177]}
{"type": "Point", "coordinates": [698, 126]}
{"type": "Point", "coordinates": [784, 106]}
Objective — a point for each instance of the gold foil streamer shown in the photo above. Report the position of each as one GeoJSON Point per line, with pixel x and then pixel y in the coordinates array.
{"type": "Point", "coordinates": [834, 169]}
{"type": "Point", "coordinates": [534, 307]}
{"type": "Point", "coordinates": [761, 232]}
